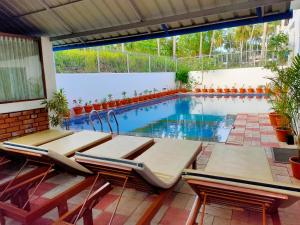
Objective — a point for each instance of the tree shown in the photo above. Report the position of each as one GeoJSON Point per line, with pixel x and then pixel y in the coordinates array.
{"type": "Point", "coordinates": [242, 34]}
{"type": "Point", "coordinates": [174, 47]}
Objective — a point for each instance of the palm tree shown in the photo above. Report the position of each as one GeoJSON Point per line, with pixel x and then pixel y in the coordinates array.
{"type": "Point", "coordinates": [200, 45]}
{"type": "Point", "coordinates": [174, 47]}
{"type": "Point", "coordinates": [212, 40]}
{"type": "Point", "coordinates": [158, 46]}
{"type": "Point", "coordinates": [242, 34]}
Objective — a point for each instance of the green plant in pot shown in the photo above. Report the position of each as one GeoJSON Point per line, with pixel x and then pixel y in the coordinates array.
{"type": "Point", "coordinates": [58, 108]}
{"type": "Point", "coordinates": [182, 77]}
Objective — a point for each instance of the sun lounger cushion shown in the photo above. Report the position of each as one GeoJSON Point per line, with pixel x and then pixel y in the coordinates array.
{"type": "Point", "coordinates": [41, 137]}
{"type": "Point", "coordinates": [162, 164]}
{"type": "Point", "coordinates": [76, 142]}
{"type": "Point", "coordinates": [53, 156]}
{"type": "Point", "coordinates": [119, 147]}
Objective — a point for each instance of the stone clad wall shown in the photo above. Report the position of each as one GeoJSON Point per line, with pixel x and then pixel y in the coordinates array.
{"type": "Point", "coordinates": [23, 122]}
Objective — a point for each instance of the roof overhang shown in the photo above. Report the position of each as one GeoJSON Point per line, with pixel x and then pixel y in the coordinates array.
{"type": "Point", "coordinates": [87, 23]}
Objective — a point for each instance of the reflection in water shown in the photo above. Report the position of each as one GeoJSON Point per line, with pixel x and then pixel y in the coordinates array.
{"type": "Point", "coordinates": [194, 118]}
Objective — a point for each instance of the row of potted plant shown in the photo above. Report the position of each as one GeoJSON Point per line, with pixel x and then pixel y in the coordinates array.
{"type": "Point", "coordinates": [110, 102]}
{"type": "Point", "coordinates": [260, 89]}
{"type": "Point", "coordinates": [285, 100]}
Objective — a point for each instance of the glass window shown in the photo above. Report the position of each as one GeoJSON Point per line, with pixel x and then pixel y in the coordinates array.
{"type": "Point", "coordinates": [21, 76]}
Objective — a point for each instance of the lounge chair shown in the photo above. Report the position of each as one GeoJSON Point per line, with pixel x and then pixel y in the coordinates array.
{"type": "Point", "coordinates": [239, 177]}
{"type": "Point", "coordinates": [156, 171]}
{"type": "Point", "coordinates": [35, 139]}
{"type": "Point", "coordinates": [54, 158]}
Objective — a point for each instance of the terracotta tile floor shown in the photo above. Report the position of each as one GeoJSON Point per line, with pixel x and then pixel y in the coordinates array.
{"type": "Point", "coordinates": [250, 130]}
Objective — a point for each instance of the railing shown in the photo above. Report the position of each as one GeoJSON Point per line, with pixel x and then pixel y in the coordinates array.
{"type": "Point", "coordinates": [108, 121]}
{"type": "Point", "coordinates": [95, 61]}
{"type": "Point", "coordinates": [92, 122]}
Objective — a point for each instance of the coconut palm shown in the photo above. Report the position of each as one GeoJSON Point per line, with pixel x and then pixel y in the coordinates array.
{"type": "Point", "coordinates": [242, 35]}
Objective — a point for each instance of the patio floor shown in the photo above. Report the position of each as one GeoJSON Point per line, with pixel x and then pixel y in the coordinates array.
{"type": "Point", "coordinates": [250, 130]}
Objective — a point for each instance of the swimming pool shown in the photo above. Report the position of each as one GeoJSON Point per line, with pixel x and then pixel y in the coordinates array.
{"type": "Point", "coordinates": [192, 117]}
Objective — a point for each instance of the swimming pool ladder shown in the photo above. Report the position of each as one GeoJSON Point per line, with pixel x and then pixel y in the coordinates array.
{"type": "Point", "coordinates": [108, 121]}
{"type": "Point", "coordinates": [98, 117]}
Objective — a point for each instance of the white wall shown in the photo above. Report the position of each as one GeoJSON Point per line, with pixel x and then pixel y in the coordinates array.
{"type": "Point", "coordinates": [228, 77]}
{"type": "Point", "coordinates": [98, 85]}
{"type": "Point", "coordinates": [49, 70]}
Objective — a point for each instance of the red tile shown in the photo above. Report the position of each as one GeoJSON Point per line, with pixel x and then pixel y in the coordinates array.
{"type": "Point", "coordinates": [106, 201]}
{"type": "Point", "coordinates": [104, 218]}
{"type": "Point", "coordinates": [269, 144]}
{"type": "Point", "coordinates": [42, 221]}
{"type": "Point", "coordinates": [175, 216]}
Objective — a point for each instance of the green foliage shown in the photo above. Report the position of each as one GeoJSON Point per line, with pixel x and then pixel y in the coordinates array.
{"type": "Point", "coordinates": [279, 44]}
{"type": "Point", "coordinates": [285, 96]}
{"type": "Point", "coordinates": [58, 107]}
{"type": "Point", "coordinates": [182, 75]}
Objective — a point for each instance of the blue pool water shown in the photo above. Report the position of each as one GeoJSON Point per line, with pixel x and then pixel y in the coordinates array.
{"type": "Point", "coordinates": [180, 117]}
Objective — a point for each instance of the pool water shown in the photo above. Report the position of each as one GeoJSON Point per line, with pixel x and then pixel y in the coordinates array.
{"type": "Point", "coordinates": [182, 117]}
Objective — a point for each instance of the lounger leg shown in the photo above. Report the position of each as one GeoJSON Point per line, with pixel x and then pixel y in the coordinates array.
{"type": "Point", "coordinates": [90, 192]}
{"type": "Point", "coordinates": [2, 219]}
{"type": "Point", "coordinates": [264, 217]}
{"type": "Point", "coordinates": [275, 218]}
{"type": "Point", "coordinates": [194, 211]}
{"type": "Point", "coordinates": [88, 217]}
{"type": "Point", "coordinates": [115, 210]}
{"type": "Point", "coordinates": [62, 209]}
{"type": "Point", "coordinates": [203, 210]}
{"type": "Point", "coordinates": [12, 180]}
{"type": "Point", "coordinates": [154, 207]}
{"type": "Point", "coordinates": [20, 199]}
{"type": "Point", "coordinates": [43, 178]}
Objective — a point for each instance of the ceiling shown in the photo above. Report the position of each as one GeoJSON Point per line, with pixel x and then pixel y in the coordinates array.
{"type": "Point", "coordinates": [84, 23]}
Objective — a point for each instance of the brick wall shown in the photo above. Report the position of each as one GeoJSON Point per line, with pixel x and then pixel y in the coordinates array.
{"type": "Point", "coordinates": [23, 122]}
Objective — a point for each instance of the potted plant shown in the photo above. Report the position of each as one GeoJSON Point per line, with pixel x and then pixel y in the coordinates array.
{"type": "Point", "coordinates": [96, 105]}
{"type": "Point", "coordinates": [259, 89]}
{"type": "Point", "coordinates": [219, 89]}
{"type": "Point", "coordinates": [204, 89]}
{"type": "Point", "coordinates": [267, 88]}
{"type": "Point", "coordinates": [242, 89]}
{"type": "Point", "coordinates": [226, 89]}
{"type": "Point", "coordinates": [78, 108]}
{"type": "Point", "coordinates": [250, 89]}
{"type": "Point", "coordinates": [182, 77]}
{"type": "Point", "coordinates": [234, 89]}
{"type": "Point", "coordinates": [211, 89]}
{"type": "Point", "coordinates": [124, 97]}
{"type": "Point", "coordinates": [88, 107]}
{"type": "Point", "coordinates": [104, 103]}
{"type": "Point", "coordinates": [58, 108]}
{"type": "Point", "coordinates": [135, 98]}
{"type": "Point", "coordinates": [111, 102]}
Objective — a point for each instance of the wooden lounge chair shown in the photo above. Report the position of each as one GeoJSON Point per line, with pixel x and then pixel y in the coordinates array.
{"type": "Point", "coordinates": [65, 146]}
{"type": "Point", "coordinates": [35, 139]}
{"type": "Point", "coordinates": [239, 177]}
{"type": "Point", "coordinates": [156, 171]}
{"type": "Point", "coordinates": [19, 211]}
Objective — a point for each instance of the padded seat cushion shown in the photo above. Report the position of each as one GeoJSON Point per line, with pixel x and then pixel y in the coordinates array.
{"type": "Point", "coordinates": [119, 147]}
{"type": "Point", "coordinates": [41, 137]}
{"type": "Point", "coordinates": [76, 142]}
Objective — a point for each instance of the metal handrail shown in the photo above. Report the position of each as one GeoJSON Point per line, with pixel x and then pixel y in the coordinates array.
{"type": "Point", "coordinates": [108, 122]}
{"type": "Point", "coordinates": [99, 118]}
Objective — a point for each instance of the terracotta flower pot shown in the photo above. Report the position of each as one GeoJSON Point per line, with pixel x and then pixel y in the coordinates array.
{"type": "Point", "coordinates": [219, 90]}
{"type": "Point", "coordinates": [211, 90]}
{"type": "Point", "coordinates": [282, 120]}
{"type": "Point", "coordinates": [267, 90]}
{"type": "Point", "coordinates": [234, 90]}
{"type": "Point", "coordinates": [282, 134]}
{"type": "Point", "coordinates": [135, 99]}
{"type": "Point", "coordinates": [111, 104]}
{"type": "Point", "coordinates": [198, 90]}
{"type": "Point", "coordinates": [78, 110]}
{"type": "Point", "coordinates": [242, 90]}
{"type": "Point", "coordinates": [88, 108]}
{"type": "Point", "coordinates": [118, 103]}
{"type": "Point", "coordinates": [295, 164]}
{"type": "Point", "coordinates": [97, 106]}
{"type": "Point", "coordinates": [226, 90]}
{"type": "Point", "coordinates": [259, 90]}
{"type": "Point", "coordinates": [204, 90]}
{"type": "Point", "coordinates": [104, 105]}
{"type": "Point", "coordinates": [250, 90]}
{"type": "Point", "coordinates": [272, 117]}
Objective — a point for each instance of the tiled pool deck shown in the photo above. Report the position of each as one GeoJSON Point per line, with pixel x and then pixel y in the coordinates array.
{"type": "Point", "coordinates": [250, 130]}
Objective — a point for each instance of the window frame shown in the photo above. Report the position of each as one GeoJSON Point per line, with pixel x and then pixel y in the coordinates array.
{"type": "Point", "coordinates": [42, 66]}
